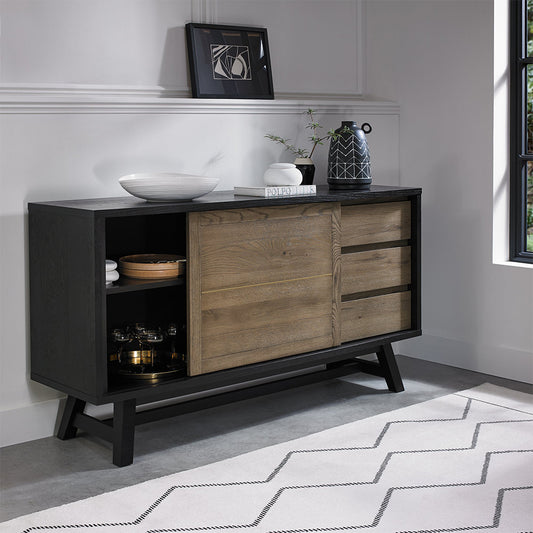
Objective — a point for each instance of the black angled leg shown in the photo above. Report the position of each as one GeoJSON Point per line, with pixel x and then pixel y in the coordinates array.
{"type": "Point", "coordinates": [67, 429]}
{"type": "Point", "coordinates": [388, 364]}
{"type": "Point", "coordinates": [123, 432]}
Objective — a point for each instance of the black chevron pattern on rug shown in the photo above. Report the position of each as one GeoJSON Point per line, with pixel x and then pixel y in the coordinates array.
{"type": "Point", "coordinates": [382, 506]}
{"type": "Point", "coordinates": [384, 503]}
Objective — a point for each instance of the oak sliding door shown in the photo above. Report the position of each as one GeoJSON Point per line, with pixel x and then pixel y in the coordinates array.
{"type": "Point", "coordinates": [263, 283]}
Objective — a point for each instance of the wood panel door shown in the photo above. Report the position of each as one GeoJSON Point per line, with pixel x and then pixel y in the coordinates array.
{"type": "Point", "coordinates": [263, 283]}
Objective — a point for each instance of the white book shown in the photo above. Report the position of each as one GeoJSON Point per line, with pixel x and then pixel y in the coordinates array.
{"type": "Point", "coordinates": [276, 192]}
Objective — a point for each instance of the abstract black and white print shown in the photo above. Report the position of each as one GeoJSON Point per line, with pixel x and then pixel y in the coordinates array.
{"type": "Point", "coordinates": [230, 62]}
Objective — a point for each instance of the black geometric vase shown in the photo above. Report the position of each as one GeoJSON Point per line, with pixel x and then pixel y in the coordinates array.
{"type": "Point", "coordinates": [349, 158]}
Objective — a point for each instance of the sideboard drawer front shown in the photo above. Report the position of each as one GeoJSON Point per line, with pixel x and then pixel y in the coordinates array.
{"type": "Point", "coordinates": [375, 269]}
{"type": "Point", "coordinates": [264, 344]}
{"type": "Point", "coordinates": [375, 316]}
{"type": "Point", "coordinates": [264, 322]}
{"type": "Point", "coordinates": [375, 223]}
{"type": "Point", "coordinates": [265, 284]}
{"type": "Point", "coordinates": [276, 247]}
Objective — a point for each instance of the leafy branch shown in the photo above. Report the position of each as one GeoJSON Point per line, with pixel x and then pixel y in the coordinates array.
{"type": "Point", "coordinates": [315, 138]}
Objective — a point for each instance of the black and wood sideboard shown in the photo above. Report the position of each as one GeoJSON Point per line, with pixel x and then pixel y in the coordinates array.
{"type": "Point", "coordinates": [277, 292]}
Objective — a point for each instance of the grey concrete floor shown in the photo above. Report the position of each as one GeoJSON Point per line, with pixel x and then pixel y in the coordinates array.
{"type": "Point", "coordinates": [48, 472]}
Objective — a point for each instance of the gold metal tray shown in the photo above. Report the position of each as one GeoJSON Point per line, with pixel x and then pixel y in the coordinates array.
{"type": "Point", "coordinates": [152, 377]}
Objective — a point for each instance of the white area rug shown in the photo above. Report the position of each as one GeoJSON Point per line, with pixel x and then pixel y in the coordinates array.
{"type": "Point", "coordinates": [463, 462]}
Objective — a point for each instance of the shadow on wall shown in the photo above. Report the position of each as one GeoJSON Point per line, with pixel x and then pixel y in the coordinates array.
{"type": "Point", "coordinates": [453, 255]}
{"type": "Point", "coordinates": [108, 171]}
{"type": "Point", "coordinates": [169, 73]}
{"type": "Point", "coordinates": [14, 287]}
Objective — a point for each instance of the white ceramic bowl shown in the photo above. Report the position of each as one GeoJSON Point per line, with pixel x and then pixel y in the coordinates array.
{"type": "Point", "coordinates": [167, 186]}
{"type": "Point", "coordinates": [279, 174]}
{"type": "Point", "coordinates": [110, 265]}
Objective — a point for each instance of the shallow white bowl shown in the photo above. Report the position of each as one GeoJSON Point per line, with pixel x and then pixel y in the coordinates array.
{"type": "Point", "coordinates": [167, 186]}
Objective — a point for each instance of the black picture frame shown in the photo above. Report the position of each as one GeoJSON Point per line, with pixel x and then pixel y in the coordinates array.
{"type": "Point", "coordinates": [229, 61]}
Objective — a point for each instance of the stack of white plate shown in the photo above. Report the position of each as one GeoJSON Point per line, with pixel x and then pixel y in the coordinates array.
{"type": "Point", "coordinates": [111, 272]}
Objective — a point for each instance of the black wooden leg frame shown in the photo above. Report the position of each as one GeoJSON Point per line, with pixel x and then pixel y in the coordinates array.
{"type": "Point", "coordinates": [120, 430]}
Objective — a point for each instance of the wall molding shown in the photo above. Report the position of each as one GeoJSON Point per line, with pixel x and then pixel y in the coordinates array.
{"type": "Point", "coordinates": [360, 53]}
{"type": "Point", "coordinates": [204, 11]}
{"type": "Point", "coordinates": [98, 99]}
{"type": "Point", "coordinates": [22, 91]}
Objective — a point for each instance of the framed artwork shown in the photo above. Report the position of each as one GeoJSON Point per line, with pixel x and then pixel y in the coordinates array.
{"type": "Point", "coordinates": [229, 61]}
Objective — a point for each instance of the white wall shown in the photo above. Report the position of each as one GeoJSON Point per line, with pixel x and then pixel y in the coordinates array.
{"type": "Point", "coordinates": [435, 58]}
{"type": "Point", "coordinates": [87, 94]}
{"type": "Point", "coordinates": [139, 44]}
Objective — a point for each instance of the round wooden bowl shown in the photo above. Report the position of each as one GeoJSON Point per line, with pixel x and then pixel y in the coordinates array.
{"type": "Point", "coordinates": [152, 266]}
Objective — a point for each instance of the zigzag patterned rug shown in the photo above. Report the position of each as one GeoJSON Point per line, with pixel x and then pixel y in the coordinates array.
{"type": "Point", "coordinates": [460, 463]}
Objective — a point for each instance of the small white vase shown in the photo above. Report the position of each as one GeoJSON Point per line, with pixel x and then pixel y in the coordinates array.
{"type": "Point", "coordinates": [282, 174]}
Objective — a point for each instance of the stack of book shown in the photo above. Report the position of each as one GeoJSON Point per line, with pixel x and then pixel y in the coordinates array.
{"type": "Point", "coordinates": [276, 192]}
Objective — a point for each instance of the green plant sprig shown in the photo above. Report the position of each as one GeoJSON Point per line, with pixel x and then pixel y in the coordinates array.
{"type": "Point", "coordinates": [315, 139]}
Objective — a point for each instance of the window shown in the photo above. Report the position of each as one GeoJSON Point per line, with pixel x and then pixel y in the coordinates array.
{"type": "Point", "coordinates": [521, 124]}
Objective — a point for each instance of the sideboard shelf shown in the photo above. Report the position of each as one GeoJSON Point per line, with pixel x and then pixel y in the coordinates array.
{"type": "Point", "coordinates": [277, 292]}
{"type": "Point", "coordinates": [132, 285]}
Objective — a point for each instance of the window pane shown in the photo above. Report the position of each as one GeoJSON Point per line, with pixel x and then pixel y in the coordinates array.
{"type": "Point", "coordinates": [530, 109]}
{"type": "Point", "coordinates": [529, 207]}
{"type": "Point", "coordinates": [521, 128]}
{"type": "Point", "coordinates": [530, 27]}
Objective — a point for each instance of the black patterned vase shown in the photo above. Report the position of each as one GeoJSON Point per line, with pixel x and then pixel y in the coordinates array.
{"type": "Point", "coordinates": [349, 158]}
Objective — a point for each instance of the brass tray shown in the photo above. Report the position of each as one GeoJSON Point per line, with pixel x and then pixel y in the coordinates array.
{"type": "Point", "coordinates": [151, 377]}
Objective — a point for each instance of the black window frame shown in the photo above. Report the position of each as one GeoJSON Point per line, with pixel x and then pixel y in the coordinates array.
{"type": "Point", "coordinates": [518, 62]}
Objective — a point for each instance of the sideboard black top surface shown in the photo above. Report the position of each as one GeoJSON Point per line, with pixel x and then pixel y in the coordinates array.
{"type": "Point", "coordinates": [129, 205]}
